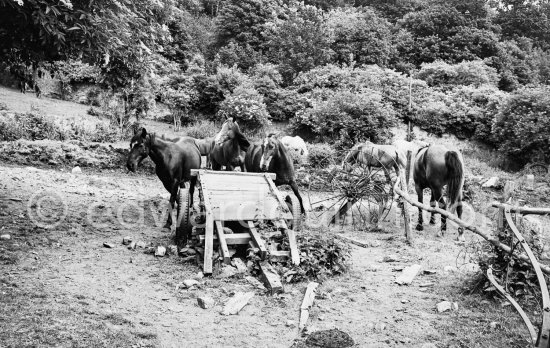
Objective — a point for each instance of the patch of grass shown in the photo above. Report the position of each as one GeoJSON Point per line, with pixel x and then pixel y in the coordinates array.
{"type": "Point", "coordinates": [202, 129]}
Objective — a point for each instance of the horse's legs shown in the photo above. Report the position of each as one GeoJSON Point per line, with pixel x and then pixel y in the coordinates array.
{"type": "Point", "coordinates": [432, 204]}
{"type": "Point", "coordinates": [215, 165]}
{"type": "Point", "coordinates": [438, 196]}
{"type": "Point", "coordinates": [229, 168]}
{"type": "Point", "coordinates": [173, 196]}
{"type": "Point", "coordinates": [420, 194]}
{"type": "Point", "coordinates": [460, 237]}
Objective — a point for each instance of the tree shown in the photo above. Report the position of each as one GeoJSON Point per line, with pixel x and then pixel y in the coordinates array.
{"type": "Point", "coordinates": [360, 36]}
{"type": "Point", "coordinates": [299, 40]}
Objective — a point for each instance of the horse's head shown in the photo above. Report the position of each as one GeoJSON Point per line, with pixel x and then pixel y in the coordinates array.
{"type": "Point", "coordinates": [270, 147]}
{"type": "Point", "coordinates": [139, 150]}
{"type": "Point", "coordinates": [231, 131]}
{"type": "Point", "coordinates": [351, 158]}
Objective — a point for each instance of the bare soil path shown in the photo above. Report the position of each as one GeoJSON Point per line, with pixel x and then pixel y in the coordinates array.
{"type": "Point", "coordinates": [60, 286]}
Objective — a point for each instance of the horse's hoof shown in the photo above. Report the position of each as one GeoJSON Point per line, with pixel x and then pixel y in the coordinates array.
{"type": "Point", "coordinates": [419, 228]}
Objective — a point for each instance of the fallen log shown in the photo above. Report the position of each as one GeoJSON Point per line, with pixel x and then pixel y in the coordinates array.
{"type": "Point", "coordinates": [484, 234]}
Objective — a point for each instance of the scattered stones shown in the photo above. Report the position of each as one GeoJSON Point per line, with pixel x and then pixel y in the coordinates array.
{"type": "Point", "coordinates": [132, 246]}
{"type": "Point", "coordinates": [408, 275]}
{"type": "Point", "coordinates": [5, 237]}
{"type": "Point", "coordinates": [189, 283]}
{"type": "Point", "coordinates": [108, 245]}
{"type": "Point", "coordinates": [446, 306]}
{"type": "Point", "coordinates": [160, 251]}
{"type": "Point", "coordinates": [491, 183]}
{"type": "Point", "coordinates": [291, 323]}
{"type": "Point", "coordinates": [205, 302]}
{"type": "Point", "coordinates": [126, 240]}
{"type": "Point", "coordinates": [76, 170]}
{"type": "Point", "coordinates": [389, 258]}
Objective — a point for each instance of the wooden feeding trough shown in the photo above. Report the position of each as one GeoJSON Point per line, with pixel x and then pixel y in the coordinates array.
{"type": "Point", "coordinates": [247, 198]}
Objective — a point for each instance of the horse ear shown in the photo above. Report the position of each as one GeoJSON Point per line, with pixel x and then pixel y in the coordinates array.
{"type": "Point", "coordinates": [143, 133]}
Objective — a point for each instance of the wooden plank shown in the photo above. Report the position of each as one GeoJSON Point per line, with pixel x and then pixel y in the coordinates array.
{"type": "Point", "coordinates": [276, 191]}
{"type": "Point", "coordinates": [353, 241]}
{"type": "Point", "coordinates": [231, 239]}
{"type": "Point", "coordinates": [279, 256]}
{"type": "Point", "coordinates": [406, 215]}
{"type": "Point", "coordinates": [523, 210]}
{"type": "Point", "coordinates": [223, 245]}
{"type": "Point", "coordinates": [246, 211]}
{"type": "Point", "coordinates": [194, 172]}
{"type": "Point", "coordinates": [294, 252]}
{"type": "Point", "coordinates": [209, 228]}
{"type": "Point", "coordinates": [258, 240]}
{"type": "Point", "coordinates": [306, 304]}
{"type": "Point", "coordinates": [271, 279]}
{"type": "Point", "coordinates": [237, 302]}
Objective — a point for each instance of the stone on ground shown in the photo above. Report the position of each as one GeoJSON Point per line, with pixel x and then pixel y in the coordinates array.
{"type": "Point", "coordinates": [205, 302]}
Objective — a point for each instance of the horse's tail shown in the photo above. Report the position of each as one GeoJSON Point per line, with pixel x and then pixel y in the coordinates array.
{"type": "Point", "coordinates": [456, 178]}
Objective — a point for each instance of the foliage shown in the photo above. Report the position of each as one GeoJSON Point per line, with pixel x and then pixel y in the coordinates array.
{"type": "Point", "coordinates": [321, 256]}
{"type": "Point", "coordinates": [236, 54]}
{"type": "Point", "coordinates": [360, 36]}
{"type": "Point", "coordinates": [298, 40]}
{"type": "Point", "coordinates": [442, 74]}
{"type": "Point", "coordinates": [246, 106]}
{"type": "Point", "coordinates": [76, 71]}
{"type": "Point", "coordinates": [320, 155]}
{"type": "Point", "coordinates": [201, 129]}
{"type": "Point", "coordinates": [346, 118]}
{"type": "Point", "coordinates": [522, 124]}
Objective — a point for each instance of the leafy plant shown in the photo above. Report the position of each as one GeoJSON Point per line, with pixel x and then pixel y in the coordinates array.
{"type": "Point", "coordinates": [245, 105]}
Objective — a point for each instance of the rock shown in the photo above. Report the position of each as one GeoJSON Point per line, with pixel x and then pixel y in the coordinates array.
{"type": "Point", "coordinates": [140, 244]}
{"type": "Point", "coordinates": [189, 283]}
{"type": "Point", "coordinates": [173, 249]}
{"type": "Point", "coordinates": [76, 170]}
{"type": "Point", "coordinates": [449, 269]}
{"type": "Point", "coordinates": [5, 237]}
{"type": "Point", "coordinates": [455, 306]}
{"type": "Point", "coordinates": [132, 246]}
{"type": "Point", "coordinates": [227, 230]}
{"type": "Point", "coordinates": [404, 301]}
{"type": "Point", "coordinates": [228, 271]}
{"type": "Point", "coordinates": [160, 251]}
{"type": "Point", "coordinates": [187, 252]}
{"type": "Point", "coordinates": [108, 245]}
{"type": "Point", "coordinates": [425, 285]}
{"type": "Point", "coordinates": [380, 326]}
{"type": "Point", "coordinates": [126, 240]}
{"type": "Point", "coordinates": [205, 302]}
{"type": "Point", "coordinates": [408, 275]}
{"type": "Point", "coordinates": [493, 325]}
{"type": "Point", "coordinates": [430, 271]}
{"type": "Point", "coordinates": [444, 306]}
{"type": "Point", "coordinates": [199, 276]}
{"type": "Point", "coordinates": [389, 258]}
{"type": "Point", "coordinates": [236, 303]}
{"type": "Point", "coordinates": [491, 183]}
{"type": "Point", "coordinates": [374, 268]}
{"type": "Point", "coordinates": [290, 323]}
{"type": "Point", "coordinates": [530, 182]}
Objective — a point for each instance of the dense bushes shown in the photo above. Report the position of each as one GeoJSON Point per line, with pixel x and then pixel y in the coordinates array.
{"type": "Point", "coordinates": [522, 124]}
{"type": "Point", "coordinates": [346, 118]}
{"type": "Point", "coordinates": [444, 75]}
{"type": "Point", "coordinates": [320, 155]}
{"type": "Point", "coordinates": [245, 105]}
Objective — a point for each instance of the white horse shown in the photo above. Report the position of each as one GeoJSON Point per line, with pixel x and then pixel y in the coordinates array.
{"type": "Point", "coordinates": [295, 144]}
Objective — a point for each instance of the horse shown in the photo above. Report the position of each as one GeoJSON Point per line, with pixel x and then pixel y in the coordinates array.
{"type": "Point", "coordinates": [272, 156]}
{"type": "Point", "coordinates": [378, 156]}
{"type": "Point", "coordinates": [230, 147]}
{"type": "Point", "coordinates": [296, 144]}
{"type": "Point", "coordinates": [414, 146]}
{"type": "Point", "coordinates": [205, 147]}
{"type": "Point", "coordinates": [434, 167]}
{"type": "Point", "coordinates": [173, 164]}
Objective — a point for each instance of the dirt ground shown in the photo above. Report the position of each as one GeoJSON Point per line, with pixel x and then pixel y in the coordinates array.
{"type": "Point", "coordinates": [60, 286]}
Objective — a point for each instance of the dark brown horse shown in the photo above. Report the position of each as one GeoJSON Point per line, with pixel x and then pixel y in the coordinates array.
{"type": "Point", "coordinates": [271, 156]}
{"type": "Point", "coordinates": [205, 145]}
{"type": "Point", "coordinates": [230, 147]}
{"type": "Point", "coordinates": [173, 163]}
{"type": "Point", "coordinates": [434, 167]}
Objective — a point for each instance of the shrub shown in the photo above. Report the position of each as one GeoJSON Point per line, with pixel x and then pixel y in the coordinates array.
{"type": "Point", "coordinates": [284, 104]}
{"type": "Point", "coordinates": [320, 155]}
{"type": "Point", "coordinates": [321, 256]}
{"type": "Point", "coordinates": [213, 89]}
{"type": "Point", "coordinates": [347, 118]}
{"type": "Point", "coordinates": [31, 125]}
{"type": "Point", "coordinates": [245, 105]}
{"type": "Point", "coordinates": [522, 124]}
{"type": "Point", "coordinates": [444, 75]}
{"type": "Point", "coordinates": [202, 129]}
